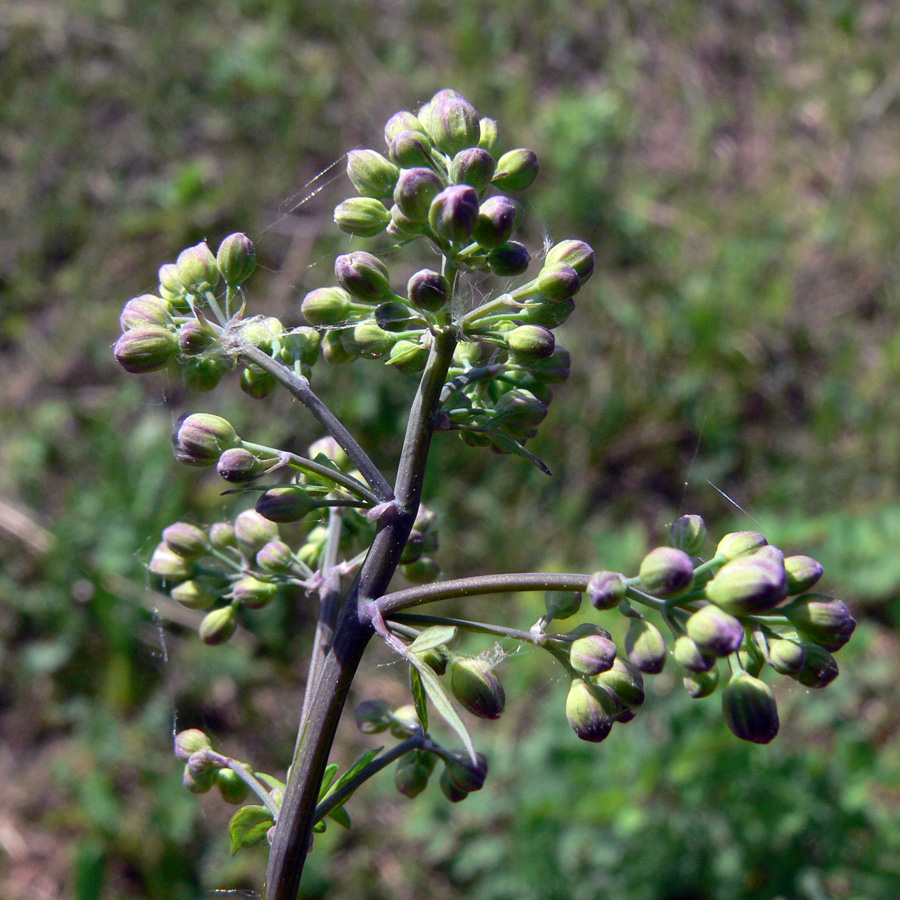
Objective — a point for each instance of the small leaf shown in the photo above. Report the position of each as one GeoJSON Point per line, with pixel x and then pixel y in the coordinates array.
{"type": "Point", "coordinates": [433, 637]}
{"type": "Point", "coordinates": [355, 769]}
{"type": "Point", "coordinates": [506, 442]}
{"type": "Point", "coordinates": [269, 781]}
{"type": "Point", "coordinates": [327, 778]}
{"type": "Point", "coordinates": [341, 816]}
{"type": "Point", "coordinates": [319, 828]}
{"type": "Point", "coordinates": [249, 826]}
{"type": "Point", "coordinates": [419, 696]}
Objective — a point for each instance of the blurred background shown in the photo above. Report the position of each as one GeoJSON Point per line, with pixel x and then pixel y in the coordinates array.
{"type": "Point", "coordinates": [735, 163]}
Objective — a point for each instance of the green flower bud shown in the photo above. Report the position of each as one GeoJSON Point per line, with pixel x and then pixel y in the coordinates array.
{"type": "Point", "coordinates": [203, 374]}
{"type": "Point", "coordinates": [477, 688]}
{"type": "Point", "coordinates": [199, 784]}
{"type": "Point", "coordinates": [666, 571]}
{"type": "Point", "coordinates": [367, 340]}
{"type": "Point", "coordinates": [186, 540]}
{"type": "Point", "coordinates": [554, 368]}
{"type": "Point", "coordinates": [562, 604]}
{"type": "Point", "coordinates": [196, 268]}
{"type": "Point", "coordinates": [372, 716]}
{"type": "Point", "coordinates": [236, 259]}
{"type": "Point", "coordinates": [437, 658]}
{"type": "Point", "coordinates": [545, 313]}
{"type": "Point", "coordinates": [362, 216]}
{"type": "Point", "coordinates": [590, 711]}
{"type": "Point", "coordinates": [363, 275]}
{"type": "Point", "coordinates": [592, 654]}
{"type": "Point", "coordinates": [468, 776]}
{"type": "Point", "coordinates": [474, 167]}
{"type": "Point", "coordinates": [520, 409]}
{"type": "Point", "coordinates": [747, 586]}
{"type": "Point", "coordinates": [412, 550]}
{"type": "Point", "coordinates": [410, 149]}
{"type": "Point", "coordinates": [168, 565]}
{"type": "Point", "coordinates": [451, 791]}
{"type": "Point", "coordinates": [326, 306]}
{"type": "Point", "coordinates": [739, 543]}
{"type": "Point", "coordinates": [822, 619]}
{"type": "Point", "coordinates": [262, 331]}
{"type": "Point", "coordinates": [219, 625]}
{"type": "Point", "coordinates": [193, 594]}
{"type": "Point", "coordinates": [253, 593]}
{"type": "Point", "coordinates": [399, 122]}
{"type": "Point", "coordinates": [701, 684]}
{"type": "Point", "coordinates": [189, 741]}
{"type": "Point", "coordinates": [394, 316]}
{"type": "Point", "coordinates": [531, 341]}
{"type": "Point", "coordinates": [557, 282]}
{"type": "Point", "coordinates": [509, 259]}
{"type": "Point", "coordinates": [289, 503]}
{"type": "Point", "coordinates": [407, 357]}
{"type": "Point", "coordinates": [645, 647]}
{"type": "Point", "coordinates": [516, 170]}
{"type": "Point", "coordinates": [202, 438]}
{"type": "Point", "coordinates": [275, 557]}
{"type": "Point", "coordinates": [231, 786]}
{"type": "Point", "coordinates": [145, 348]}
{"type": "Point", "coordinates": [254, 531]}
{"type": "Point", "coordinates": [786, 657]}
{"type": "Point", "coordinates": [489, 135]}
{"type": "Point", "coordinates": [428, 290]}
{"type": "Point", "coordinates": [452, 123]}
{"type": "Point", "coordinates": [257, 383]}
{"type": "Point", "coordinates": [625, 682]}
{"type": "Point", "coordinates": [688, 533]}
{"type": "Point", "coordinates": [405, 722]}
{"type": "Point", "coordinates": [222, 536]}
{"type": "Point", "coordinates": [301, 344]}
{"type": "Point", "coordinates": [372, 175]}
{"type": "Point", "coordinates": [453, 213]}
{"type": "Point", "coordinates": [145, 310]}
{"type": "Point", "coordinates": [716, 632]}
{"type": "Point", "coordinates": [240, 466]}
{"type": "Point", "coordinates": [496, 221]}
{"type": "Point", "coordinates": [749, 708]}
{"type": "Point", "coordinates": [170, 287]}
{"type": "Point", "coordinates": [690, 656]}
{"type": "Point", "coordinates": [802, 573]}
{"type": "Point", "coordinates": [577, 254]}
{"type": "Point", "coordinates": [606, 590]}
{"type": "Point", "coordinates": [819, 666]}
{"type": "Point", "coordinates": [410, 777]}
{"type": "Point", "coordinates": [415, 190]}
{"type": "Point", "coordinates": [402, 226]}
{"type": "Point", "coordinates": [751, 658]}
{"type": "Point", "coordinates": [334, 351]}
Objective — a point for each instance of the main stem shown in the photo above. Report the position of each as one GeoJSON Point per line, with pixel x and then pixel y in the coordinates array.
{"type": "Point", "coordinates": [351, 634]}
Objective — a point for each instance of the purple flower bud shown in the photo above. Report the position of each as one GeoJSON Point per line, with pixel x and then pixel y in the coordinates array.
{"type": "Point", "coordinates": [145, 310]}
{"type": "Point", "coordinates": [474, 167]}
{"type": "Point", "coordinates": [701, 684]}
{"type": "Point", "coordinates": [749, 708]}
{"type": "Point", "coordinates": [219, 625]}
{"type": "Point", "coordinates": [326, 306]}
{"type": "Point", "coordinates": [531, 341]}
{"type": "Point", "coordinates": [509, 259]}
{"type": "Point", "coordinates": [168, 565]}
{"type": "Point", "coordinates": [372, 716]}
{"type": "Point", "coordinates": [739, 543]}
{"type": "Point", "coordinates": [606, 590]}
{"type": "Point", "coordinates": [645, 647]}
{"type": "Point", "coordinates": [592, 654]}
{"type": "Point", "coordinates": [415, 190]}
{"type": "Point", "coordinates": [453, 213]}
{"type": "Point", "coordinates": [666, 571]}
{"type": "Point", "coordinates": [371, 174]}
{"type": "Point", "coordinates": [690, 656]}
{"type": "Point", "coordinates": [452, 123]}
{"type": "Point", "coordinates": [786, 657]}
{"type": "Point", "coordinates": [428, 290]}
{"type": "Point", "coordinates": [363, 275]}
{"type": "Point", "coordinates": [463, 773]}
{"type": "Point", "coordinates": [688, 533]}
{"type": "Point", "coordinates": [590, 711]}
{"type": "Point", "coordinates": [748, 585]}
{"type": "Point", "coordinates": [195, 337]}
{"type": "Point", "coordinates": [254, 531]}
{"type": "Point", "coordinates": [402, 121]}
{"type": "Point", "coordinates": [188, 541]}
{"type": "Point", "coordinates": [276, 557]}
{"type": "Point", "coordinates": [625, 682]}
{"type": "Point", "coordinates": [202, 438]}
{"type": "Point", "coordinates": [715, 631]}
{"type": "Point", "coordinates": [197, 269]}
{"type": "Point", "coordinates": [562, 604]}
{"type": "Point", "coordinates": [410, 149]}
{"type": "Point", "coordinates": [496, 221]}
{"type": "Point", "coordinates": [289, 503]}
{"type": "Point", "coordinates": [802, 573]}
{"type": "Point", "coordinates": [557, 281]}
{"type": "Point", "coordinates": [236, 259]}
{"type": "Point", "coordinates": [477, 688]}
{"type": "Point", "coordinates": [190, 741]}
{"type": "Point", "coordinates": [145, 348]}
{"type": "Point", "coordinates": [253, 593]}
{"type": "Point", "coordinates": [240, 466]}
{"type": "Point", "coordinates": [577, 254]}
{"type": "Point", "coordinates": [819, 666]}
{"type": "Point", "coordinates": [822, 619]}
{"type": "Point", "coordinates": [363, 216]}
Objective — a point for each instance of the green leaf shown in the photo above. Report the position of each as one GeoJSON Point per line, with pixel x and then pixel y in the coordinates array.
{"type": "Point", "coordinates": [433, 637]}
{"type": "Point", "coordinates": [420, 698]}
{"type": "Point", "coordinates": [438, 695]}
{"type": "Point", "coordinates": [249, 826]}
{"type": "Point", "coordinates": [506, 442]}
{"type": "Point", "coordinates": [269, 781]}
{"type": "Point", "coordinates": [356, 768]}
{"type": "Point", "coordinates": [327, 778]}
{"type": "Point", "coordinates": [319, 827]}
{"type": "Point", "coordinates": [341, 816]}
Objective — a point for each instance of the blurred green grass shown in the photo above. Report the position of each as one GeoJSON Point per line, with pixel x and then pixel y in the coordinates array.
{"type": "Point", "coordinates": [736, 166]}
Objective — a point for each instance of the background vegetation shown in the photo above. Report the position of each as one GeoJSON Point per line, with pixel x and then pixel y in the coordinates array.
{"type": "Point", "coordinates": [736, 165]}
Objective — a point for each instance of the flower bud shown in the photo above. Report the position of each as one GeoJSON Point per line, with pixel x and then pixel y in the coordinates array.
{"type": "Point", "coordinates": [415, 190]}
{"type": "Point", "coordinates": [410, 776]}
{"type": "Point", "coordinates": [221, 535]}
{"type": "Point", "coordinates": [408, 357]}
{"type": "Point", "coordinates": [751, 658]}
{"type": "Point", "coordinates": [467, 775]}
{"type": "Point", "coordinates": [262, 331]}
{"type": "Point", "coordinates": [203, 374]}
{"type": "Point", "coordinates": [254, 531]}
{"type": "Point", "coordinates": [362, 216]}
{"type": "Point", "coordinates": [437, 658]}
{"type": "Point", "coordinates": [690, 656]}
{"type": "Point", "coordinates": [606, 590]}
{"type": "Point", "coordinates": [363, 275]}
{"type": "Point", "coordinates": [334, 351]}
{"type": "Point", "coordinates": [394, 316]}
{"type": "Point", "coordinates": [802, 573]}
{"type": "Point", "coordinates": [200, 762]}
{"type": "Point", "coordinates": [561, 604]}
{"type": "Point", "coordinates": [423, 571]}
{"type": "Point", "coordinates": [240, 466]}
{"type": "Point", "coordinates": [489, 136]}
{"type": "Point", "coordinates": [168, 565]}
{"type": "Point", "coordinates": [301, 344]}
{"type": "Point", "coordinates": [819, 666]}
{"type": "Point", "coordinates": [592, 654]}
{"type": "Point", "coordinates": [196, 268]}
{"type": "Point", "coordinates": [372, 175]}
{"type": "Point", "coordinates": [474, 167]}
{"type": "Point", "coordinates": [554, 368]}
{"type": "Point", "coordinates": [577, 254]}
{"type": "Point", "coordinates": [412, 550]}
{"type": "Point", "coordinates": [326, 306]}
{"type": "Point", "coordinates": [590, 711]}
{"type": "Point", "coordinates": [231, 786]}
{"type": "Point", "coordinates": [477, 688]}
{"type": "Point", "coordinates": [509, 259]}
{"type": "Point", "coordinates": [688, 533]}
{"type": "Point", "coordinates": [236, 259]}
{"type": "Point", "coordinates": [453, 793]}
{"type": "Point", "coordinates": [715, 631]}
{"type": "Point", "coordinates": [189, 741]}
{"type": "Point", "coordinates": [367, 340]}
{"type": "Point", "coordinates": [452, 123]}
{"type": "Point", "coordinates": [405, 722]}
{"type": "Point", "coordinates": [257, 383]}
{"type": "Point", "coordinates": [739, 543]}
{"type": "Point", "coordinates": [275, 557]}
{"type": "Point", "coordinates": [822, 619]}
{"type": "Point", "coordinates": [746, 586]}
{"type": "Point", "coordinates": [195, 337]}
{"type": "Point", "coordinates": [402, 121]}
{"type": "Point", "coordinates": [531, 341]}
{"type": "Point", "coordinates": [786, 657]}
{"type": "Point", "coordinates": [253, 593]}
{"type": "Point", "coordinates": [428, 290]}
{"type": "Point", "coordinates": [145, 348]}
{"type": "Point", "coordinates": [219, 625]}
{"type": "Point", "coordinates": [540, 311]}
{"type": "Point", "coordinates": [520, 409]}
{"type": "Point", "coordinates": [145, 310]}
{"type": "Point", "coordinates": [193, 594]}
{"type": "Point", "coordinates": [701, 684]}
{"type": "Point", "coordinates": [201, 784]}
{"type": "Point", "coordinates": [666, 571]}
{"type": "Point", "coordinates": [410, 149]}
{"type": "Point", "coordinates": [496, 221]}
{"type": "Point", "coordinates": [289, 503]}
{"type": "Point", "coordinates": [453, 213]}
{"type": "Point", "coordinates": [186, 540]}
{"type": "Point", "coordinates": [749, 708]}
{"type": "Point", "coordinates": [372, 716]}
{"type": "Point", "coordinates": [202, 438]}
{"type": "Point", "coordinates": [625, 682]}
{"type": "Point", "coordinates": [645, 647]}
{"type": "Point", "coordinates": [557, 282]}
{"type": "Point", "coordinates": [516, 170]}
